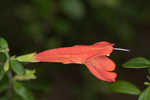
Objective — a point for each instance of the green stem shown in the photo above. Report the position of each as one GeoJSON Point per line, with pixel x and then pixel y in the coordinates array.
{"type": "Point", "coordinates": [10, 79]}
{"type": "Point", "coordinates": [10, 91]}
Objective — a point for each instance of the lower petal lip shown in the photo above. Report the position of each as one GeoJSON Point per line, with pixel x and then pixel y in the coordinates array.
{"type": "Point", "coordinates": [99, 71]}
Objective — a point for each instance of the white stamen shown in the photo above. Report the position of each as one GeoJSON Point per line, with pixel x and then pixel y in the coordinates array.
{"type": "Point", "coordinates": [122, 49]}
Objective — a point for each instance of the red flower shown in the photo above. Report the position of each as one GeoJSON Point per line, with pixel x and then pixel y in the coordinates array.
{"type": "Point", "coordinates": [93, 56]}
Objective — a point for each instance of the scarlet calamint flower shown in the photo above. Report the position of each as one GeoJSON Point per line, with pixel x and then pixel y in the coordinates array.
{"type": "Point", "coordinates": [93, 56]}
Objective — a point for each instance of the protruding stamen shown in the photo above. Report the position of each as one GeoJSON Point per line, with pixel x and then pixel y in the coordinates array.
{"type": "Point", "coordinates": [122, 49]}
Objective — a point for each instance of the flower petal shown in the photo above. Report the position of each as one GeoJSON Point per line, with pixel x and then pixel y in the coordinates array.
{"type": "Point", "coordinates": [107, 64]}
{"type": "Point", "coordinates": [100, 67]}
{"type": "Point", "coordinates": [103, 44]}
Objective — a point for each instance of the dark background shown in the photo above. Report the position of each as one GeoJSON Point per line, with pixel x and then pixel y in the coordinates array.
{"type": "Point", "coordinates": [37, 25]}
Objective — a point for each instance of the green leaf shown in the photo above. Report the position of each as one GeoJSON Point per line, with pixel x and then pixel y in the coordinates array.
{"type": "Point", "coordinates": [17, 67]}
{"type": "Point", "coordinates": [145, 95]}
{"type": "Point", "coordinates": [27, 58]}
{"type": "Point", "coordinates": [3, 43]}
{"type": "Point", "coordinates": [6, 66]}
{"type": "Point", "coordinates": [22, 91]}
{"type": "Point", "coordinates": [124, 87]}
{"type": "Point", "coordinates": [138, 62]}
{"type": "Point", "coordinates": [29, 74]}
